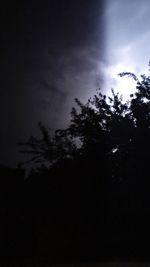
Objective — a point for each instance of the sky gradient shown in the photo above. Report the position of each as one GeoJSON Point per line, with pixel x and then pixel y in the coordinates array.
{"type": "Point", "coordinates": [54, 51]}
{"type": "Point", "coordinates": [49, 54]}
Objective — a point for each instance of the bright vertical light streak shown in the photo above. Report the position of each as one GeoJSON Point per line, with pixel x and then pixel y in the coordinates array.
{"type": "Point", "coordinates": [127, 38]}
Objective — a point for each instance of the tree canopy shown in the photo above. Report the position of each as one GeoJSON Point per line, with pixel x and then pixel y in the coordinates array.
{"type": "Point", "coordinates": [90, 189]}
{"type": "Point", "coordinates": [104, 129]}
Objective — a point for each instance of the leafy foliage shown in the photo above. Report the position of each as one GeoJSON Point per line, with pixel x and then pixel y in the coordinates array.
{"type": "Point", "coordinates": [103, 128]}
{"type": "Point", "coordinates": [90, 187]}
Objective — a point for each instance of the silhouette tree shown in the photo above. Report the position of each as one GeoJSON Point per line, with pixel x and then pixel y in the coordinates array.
{"type": "Point", "coordinates": [93, 176]}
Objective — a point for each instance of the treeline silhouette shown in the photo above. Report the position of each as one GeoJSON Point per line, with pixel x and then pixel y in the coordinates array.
{"type": "Point", "coordinates": [87, 196]}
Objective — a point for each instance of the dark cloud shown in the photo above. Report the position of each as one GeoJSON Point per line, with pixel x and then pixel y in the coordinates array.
{"type": "Point", "coordinates": [52, 51]}
{"type": "Point", "coordinates": [49, 53]}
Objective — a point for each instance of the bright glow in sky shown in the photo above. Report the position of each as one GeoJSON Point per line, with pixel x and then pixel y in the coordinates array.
{"type": "Point", "coordinates": [128, 36]}
{"type": "Point", "coordinates": [124, 85]}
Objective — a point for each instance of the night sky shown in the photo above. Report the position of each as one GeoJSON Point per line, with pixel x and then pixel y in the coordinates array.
{"type": "Point", "coordinates": [49, 52]}
{"type": "Point", "coordinates": [53, 51]}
